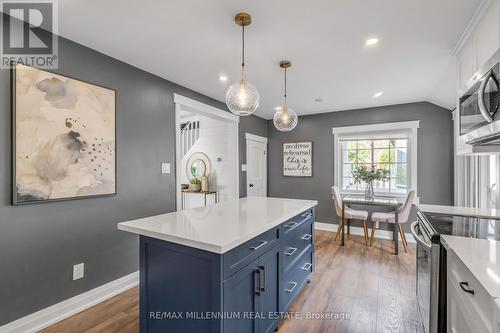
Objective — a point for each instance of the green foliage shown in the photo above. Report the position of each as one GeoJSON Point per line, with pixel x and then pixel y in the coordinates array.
{"type": "Point", "coordinates": [195, 181]}
{"type": "Point", "coordinates": [368, 175]}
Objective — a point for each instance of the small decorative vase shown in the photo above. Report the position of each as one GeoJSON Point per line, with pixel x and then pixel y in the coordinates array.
{"type": "Point", "coordinates": [369, 193]}
{"type": "Point", "coordinates": [204, 183]}
{"type": "Point", "coordinates": [195, 187]}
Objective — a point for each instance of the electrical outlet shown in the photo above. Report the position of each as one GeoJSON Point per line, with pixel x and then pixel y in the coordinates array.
{"type": "Point", "coordinates": [78, 271]}
{"type": "Point", "coordinates": [165, 168]}
{"type": "Point", "coordinates": [243, 167]}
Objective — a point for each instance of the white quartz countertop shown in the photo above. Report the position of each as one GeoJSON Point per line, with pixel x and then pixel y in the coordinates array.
{"type": "Point", "coordinates": [462, 211]}
{"type": "Point", "coordinates": [221, 227]}
{"type": "Point", "coordinates": [481, 257]}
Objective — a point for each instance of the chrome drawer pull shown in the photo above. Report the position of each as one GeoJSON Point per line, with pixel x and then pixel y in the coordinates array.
{"type": "Point", "coordinates": [291, 251]}
{"type": "Point", "coordinates": [307, 267]}
{"type": "Point", "coordinates": [306, 237]}
{"type": "Point", "coordinates": [262, 243]}
{"type": "Point", "coordinates": [464, 286]}
{"type": "Point", "coordinates": [290, 225]}
{"type": "Point", "coordinates": [291, 289]}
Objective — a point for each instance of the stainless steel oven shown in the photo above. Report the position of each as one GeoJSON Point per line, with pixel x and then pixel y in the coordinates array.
{"type": "Point", "coordinates": [431, 259]}
{"type": "Point", "coordinates": [429, 276]}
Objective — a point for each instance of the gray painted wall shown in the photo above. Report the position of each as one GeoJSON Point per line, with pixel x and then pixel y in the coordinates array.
{"type": "Point", "coordinates": [40, 243]}
{"type": "Point", "coordinates": [435, 153]}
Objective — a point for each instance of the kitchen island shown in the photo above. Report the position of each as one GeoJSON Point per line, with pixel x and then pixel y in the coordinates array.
{"type": "Point", "coordinates": [231, 267]}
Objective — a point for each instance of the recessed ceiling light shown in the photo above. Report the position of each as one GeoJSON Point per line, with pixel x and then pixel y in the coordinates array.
{"type": "Point", "coordinates": [378, 94]}
{"type": "Point", "coordinates": [223, 78]}
{"type": "Point", "coordinates": [319, 99]}
{"type": "Point", "coordinates": [371, 42]}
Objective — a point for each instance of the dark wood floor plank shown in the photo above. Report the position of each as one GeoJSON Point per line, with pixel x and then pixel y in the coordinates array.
{"type": "Point", "coordinates": [370, 285]}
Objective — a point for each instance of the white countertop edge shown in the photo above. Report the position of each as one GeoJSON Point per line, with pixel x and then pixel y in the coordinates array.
{"type": "Point", "coordinates": [216, 248]}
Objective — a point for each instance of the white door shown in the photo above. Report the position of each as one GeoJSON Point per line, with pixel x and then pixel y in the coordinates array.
{"type": "Point", "coordinates": [256, 168]}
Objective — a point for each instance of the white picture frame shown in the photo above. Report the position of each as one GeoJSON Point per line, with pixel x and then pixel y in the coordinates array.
{"type": "Point", "coordinates": [297, 159]}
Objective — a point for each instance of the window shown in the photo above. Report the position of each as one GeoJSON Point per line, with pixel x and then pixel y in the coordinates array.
{"type": "Point", "coordinates": [390, 146]}
{"type": "Point", "coordinates": [388, 154]}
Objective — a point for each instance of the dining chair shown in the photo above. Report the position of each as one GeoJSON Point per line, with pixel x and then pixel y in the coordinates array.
{"type": "Point", "coordinates": [349, 213]}
{"type": "Point", "coordinates": [403, 216]}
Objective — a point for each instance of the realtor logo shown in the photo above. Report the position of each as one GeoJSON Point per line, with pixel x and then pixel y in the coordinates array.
{"type": "Point", "coordinates": [29, 33]}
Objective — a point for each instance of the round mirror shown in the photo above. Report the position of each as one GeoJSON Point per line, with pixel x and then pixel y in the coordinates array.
{"type": "Point", "coordinates": [198, 168]}
{"type": "Point", "coordinates": [198, 165]}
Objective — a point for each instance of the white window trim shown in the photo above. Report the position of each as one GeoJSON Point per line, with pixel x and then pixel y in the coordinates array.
{"type": "Point", "coordinates": [411, 126]}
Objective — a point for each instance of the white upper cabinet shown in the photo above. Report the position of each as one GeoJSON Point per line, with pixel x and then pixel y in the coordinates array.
{"type": "Point", "coordinates": [487, 36]}
{"type": "Point", "coordinates": [478, 45]}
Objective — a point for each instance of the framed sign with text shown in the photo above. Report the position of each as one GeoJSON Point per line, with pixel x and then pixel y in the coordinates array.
{"type": "Point", "coordinates": [297, 159]}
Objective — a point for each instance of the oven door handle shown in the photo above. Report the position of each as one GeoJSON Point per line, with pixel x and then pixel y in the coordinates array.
{"type": "Point", "coordinates": [418, 239]}
{"type": "Point", "coordinates": [488, 115]}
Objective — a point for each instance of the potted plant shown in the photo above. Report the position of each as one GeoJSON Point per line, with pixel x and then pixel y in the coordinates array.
{"type": "Point", "coordinates": [195, 185]}
{"type": "Point", "coordinates": [367, 175]}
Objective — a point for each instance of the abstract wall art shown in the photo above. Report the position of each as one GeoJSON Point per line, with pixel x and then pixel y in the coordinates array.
{"type": "Point", "coordinates": [64, 137]}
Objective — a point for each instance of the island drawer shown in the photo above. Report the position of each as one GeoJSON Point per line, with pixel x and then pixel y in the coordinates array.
{"type": "Point", "coordinates": [295, 279]}
{"type": "Point", "coordinates": [292, 224]}
{"type": "Point", "coordinates": [476, 301]}
{"type": "Point", "coordinates": [240, 256]}
{"type": "Point", "coordinates": [296, 242]}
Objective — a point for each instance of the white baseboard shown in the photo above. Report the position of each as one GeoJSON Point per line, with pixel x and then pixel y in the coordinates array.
{"type": "Point", "coordinates": [57, 312]}
{"type": "Point", "coordinates": [382, 234]}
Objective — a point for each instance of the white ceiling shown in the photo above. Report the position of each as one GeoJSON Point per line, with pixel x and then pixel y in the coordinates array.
{"type": "Point", "coordinates": [192, 42]}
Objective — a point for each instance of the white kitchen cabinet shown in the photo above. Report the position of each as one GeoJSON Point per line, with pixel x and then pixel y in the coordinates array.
{"type": "Point", "coordinates": [470, 308]}
{"type": "Point", "coordinates": [487, 34]}
{"type": "Point", "coordinates": [480, 43]}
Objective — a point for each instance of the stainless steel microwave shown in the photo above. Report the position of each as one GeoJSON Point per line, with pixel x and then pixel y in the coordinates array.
{"type": "Point", "coordinates": [479, 106]}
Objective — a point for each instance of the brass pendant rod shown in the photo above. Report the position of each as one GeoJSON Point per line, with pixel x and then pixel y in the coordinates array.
{"type": "Point", "coordinates": [242, 52]}
{"type": "Point", "coordinates": [285, 107]}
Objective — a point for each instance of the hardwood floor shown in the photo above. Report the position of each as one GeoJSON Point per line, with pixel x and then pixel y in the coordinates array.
{"type": "Point", "coordinates": [362, 289]}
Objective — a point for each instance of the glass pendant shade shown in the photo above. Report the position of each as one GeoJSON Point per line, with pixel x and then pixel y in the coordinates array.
{"type": "Point", "coordinates": [285, 121]}
{"type": "Point", "coordinates": [242, 98]}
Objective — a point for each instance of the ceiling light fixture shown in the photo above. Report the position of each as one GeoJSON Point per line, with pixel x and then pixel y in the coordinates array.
{"type": "Point", "coordinates": [242, 98]}
{"type": "Point", "coordinates": [371, 42]}
{"type": "Point", "coordinates": [378, 94]}
{"type": "Point", "coordinates": [223, 78]}
{"type": "Point", "coordinates": [286, 119]}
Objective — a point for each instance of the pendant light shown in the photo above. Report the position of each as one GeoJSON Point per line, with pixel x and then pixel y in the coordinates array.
{"type": "Point", "coordinates": [285, 119]}
{"type": "Point", "coordinates": [242, 98]}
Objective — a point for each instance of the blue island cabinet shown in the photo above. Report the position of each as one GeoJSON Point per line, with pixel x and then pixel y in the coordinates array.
{"type": "Point", "coordinates": [184, 289]}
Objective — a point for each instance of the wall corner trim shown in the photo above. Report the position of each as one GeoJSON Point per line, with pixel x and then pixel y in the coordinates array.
{"type": "Point", "coordinates": [257, 138]}
{"type": "Point", "coordinates": [57, 312]}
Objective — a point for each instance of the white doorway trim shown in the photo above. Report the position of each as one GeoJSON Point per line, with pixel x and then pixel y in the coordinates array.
{"type": "Point", "coordinates": [263, 140]}
{"type": "Point", "coordinates": [183, 103]}
{"type": "Point", "coordinates": [257, 138]}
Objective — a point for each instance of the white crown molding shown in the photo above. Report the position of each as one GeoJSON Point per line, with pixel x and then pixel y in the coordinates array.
{"type": "Point", "coordinates": [380, 234]}
{"type": "Point", "coordinates": [191, 105]}
{"type": "Point", "coordinates": [402, 125]}
{"type": "Point", "coordinates": [57, 312]}
{"type": "Point", "coordinates": [476, 18]}
{"type": "Point", "coordinates": [257, 138]}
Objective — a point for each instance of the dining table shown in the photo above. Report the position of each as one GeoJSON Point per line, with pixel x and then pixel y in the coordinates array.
{"type": "Point", "coordinates": [381, 201]}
